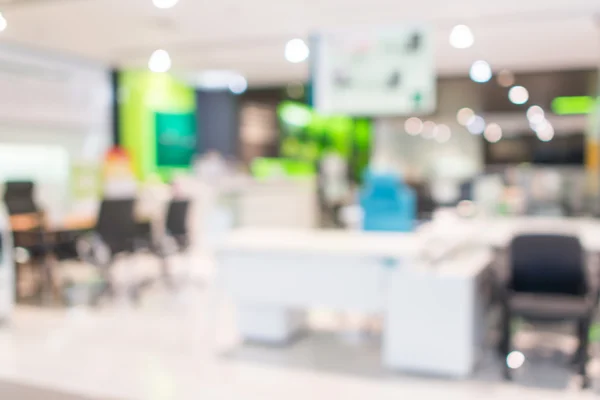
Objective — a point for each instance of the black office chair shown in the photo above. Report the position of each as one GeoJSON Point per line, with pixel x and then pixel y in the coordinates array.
{"type": "Point", "coordinates": [549, 281]}
{"type": "Point", "coordinates": [31, 246]}
{"type": "Point", "coordinates": [114, 235]}
{"type": "Point", "coordinates": [175, 238]}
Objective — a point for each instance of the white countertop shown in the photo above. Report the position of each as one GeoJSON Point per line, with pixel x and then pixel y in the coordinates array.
{"type": "Point", "coordinates": [325, 241]}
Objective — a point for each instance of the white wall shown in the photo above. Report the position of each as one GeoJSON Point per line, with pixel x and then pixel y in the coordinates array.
{"type": "Point", "coordinates": [54, 113]}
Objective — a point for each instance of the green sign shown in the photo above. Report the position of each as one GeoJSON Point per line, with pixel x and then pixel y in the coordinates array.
{"type": "Point", "coordinates": [175, 139]}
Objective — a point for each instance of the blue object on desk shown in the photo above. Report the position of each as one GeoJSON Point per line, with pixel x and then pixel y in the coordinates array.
{"type": "Point", "coordinates": [388, 204]}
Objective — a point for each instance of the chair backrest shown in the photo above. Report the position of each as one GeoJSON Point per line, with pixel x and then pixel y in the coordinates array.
{"type": "Point", "coordinates": [116, 224]}
{"type": "Point", "coordinates": [177, 215]}
{"type": "Point", "coordinates": [549, 264]}
{"type": "Point", "coordinates": [18, 196]}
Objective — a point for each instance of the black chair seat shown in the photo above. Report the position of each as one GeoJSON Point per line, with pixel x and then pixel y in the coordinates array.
{"type": "Point", "coordinates": [550, 307]}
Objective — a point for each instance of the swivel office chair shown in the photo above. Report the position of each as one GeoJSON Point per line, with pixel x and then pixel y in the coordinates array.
{"type": "Point", "coordinates": [175, 238]}
{"type": "Point", "coordinates": [113, 236]}
{"type": "Point", "coordinates": [549, 281]}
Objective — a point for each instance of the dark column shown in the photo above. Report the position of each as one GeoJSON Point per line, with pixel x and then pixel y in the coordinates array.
{"type": "Point", "coordinates": [217, 122]}
{"type": "Point", "coordinates": [114, 75]}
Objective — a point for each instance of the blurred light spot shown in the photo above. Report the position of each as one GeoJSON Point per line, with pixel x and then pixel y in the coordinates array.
{"type": "Point", "coordinates": [493, 133]}
{"type": "Point", "coordinates": [518, 95]}
{"type": "Point", "coordinates": [545, 133]}
{"type": "Point", "coordinates": [413, 126]}
{"type": "Point", "coordinates": [477, 125]}
{"type": "Point", "coordinates": [296, 51]}
{"type": "Point", "coordinates": [295, 90]}
{"type": "Point", "coordinates": [165, 3]}
{"type": "Point", "coordinates": [480, 71]}
{"type": "Point", "coordinates": [429, 130]}
{"type": "Point", "coordinates": [461, 37]}
{"type": "Point", "coordinates": [160, 61]}
{"type": "Point", "coordinates": [515, 360]}
{"type": "Point", "coordinates": [3, 23]}
{"type": "Point", "coordinates": [21, 255]}
{"type": "Point", "coordinates": [443, 133]}
{"type": "Point", "coordinates": [238, 84]}
{"type": "Point", "coordinates": [296, 114]}
{"type": "Point", "coordinates": [464, 116]}
{"type": "Point", "coordinates": [535, 114]}
{"type": "Point", "coordinates": [505, 78]}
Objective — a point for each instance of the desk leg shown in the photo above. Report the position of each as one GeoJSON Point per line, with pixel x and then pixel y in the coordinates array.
{"type": "Point", "coordinates": [269, 324]}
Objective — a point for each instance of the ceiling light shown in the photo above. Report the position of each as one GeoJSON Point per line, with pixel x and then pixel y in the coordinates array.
{"type": "Point", "coordinates": [429, 130]}
{"type": "Point", "coordinates": [535, 114]}
{"type": "Point", "coordinates": [464, 116]}
{"type": "Point", "coordinates": [477, 125]}
{"type": "Point", "coordinates": [296, 51]}
{"type": "Point", "coordinates": [518, 95]}
{"type": "Point", "coordinates": [493, 133]}
{"type": "Point", "coordinates": [165, 3]}
{"type": "Point", "coordinates": [443, 133]}
{"type": "Point", "coordinates": [515, 360]}
{"type": "Point", "coordinates": [413, 126]}
{"type": "Point", "coordinates": [160, 61]}
{"type": "Point", "coordinates": [480, 72]}
{"type": "Point", "coordinates": [3, 23]}
{"type": "Point", "coordinates": [238, 84]}
{"type": "Point", "coordinates": [461, 37]}
{"type": "Point", "coordinates": [505, 78]}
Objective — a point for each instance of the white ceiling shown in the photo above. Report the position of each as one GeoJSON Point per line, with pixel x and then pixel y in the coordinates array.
{"type": "Point", "coordinates": [249, 36]}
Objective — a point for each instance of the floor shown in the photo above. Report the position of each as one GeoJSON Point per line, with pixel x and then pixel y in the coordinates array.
{"type": "Point", "coordinates": [184, 346]}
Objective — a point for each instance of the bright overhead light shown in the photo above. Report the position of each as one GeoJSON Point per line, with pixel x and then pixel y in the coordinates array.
{"type": "Point", "coordinates": [515, 360]}
{"type": "Point", "coordinates": [535, 114]}
{"type": "Point", "coordinates": [493, 133]}
{"type": "Point", "coordinates": [160, 61]}
{"type": "Point", "coordinates": [518, 95]}
{"type": "Point", "coordinates": [296, 51]}
{"type": "Point", "coordinates": [443, 133]}
{"type": "Point", "coordinates": [480, 72]}
{"type": "Point", "coordinates": [464, 116]}
{"type": "Point", "coordinates": [3, 23]}
{"type": "Point", "coordinates": [413, 126]}
{"type": "Point", "coordinates": [505, 78]}
{"type": "Point", "coordinates": [238, 84]}
{"type": "Point", "coordinates": [165, 3]}
{"type": "Point", "coordinates": [461, 37]}
{"type": "Point", "coordinates": [477, 125]}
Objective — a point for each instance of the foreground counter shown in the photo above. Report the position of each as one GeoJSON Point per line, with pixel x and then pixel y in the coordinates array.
{"type": "Point", "coordinates": [432, 311]}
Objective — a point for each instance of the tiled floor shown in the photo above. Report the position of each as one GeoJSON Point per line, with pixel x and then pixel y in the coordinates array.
{"type": "Point", "coordinates": [185, 347]}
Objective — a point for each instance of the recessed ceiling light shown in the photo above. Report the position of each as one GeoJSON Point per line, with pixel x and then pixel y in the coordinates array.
{"type": "Point", "coordinates": [518, 95]}
{"type": "Point", "coordinates": [164, 4]}
{"type": "Point", "coordinates": [160, 61]}
{"type": "Point", "coordinates": [296, 51]}
{"type": "Point", "coordinates": [480, 72]}
{"type": "Point", "coordinates": [461, 37]}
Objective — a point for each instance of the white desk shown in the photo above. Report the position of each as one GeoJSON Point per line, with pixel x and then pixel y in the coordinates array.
{"type": "Point", "coordinates": [275, 275]}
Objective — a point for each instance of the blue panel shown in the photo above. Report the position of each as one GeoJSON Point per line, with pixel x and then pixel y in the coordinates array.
{"type": "Point", "coordinates": [388, 204]}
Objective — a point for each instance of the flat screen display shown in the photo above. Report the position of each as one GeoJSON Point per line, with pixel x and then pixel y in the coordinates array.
{"type": "Point", "coordinates": [527, 148]}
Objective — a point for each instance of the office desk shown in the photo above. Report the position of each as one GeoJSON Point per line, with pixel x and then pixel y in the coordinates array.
{"type": "Point", "coordinates": [274, 276]}
{"type": "Point", "coordinates": [498, 232]}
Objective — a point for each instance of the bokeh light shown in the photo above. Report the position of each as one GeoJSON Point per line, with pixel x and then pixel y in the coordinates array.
{"type": "Point", "coordinates": [413, 126]}
{"type": "Point", "coordinates": [461, 37]}
{"type": "Point", "coordinates": [480, 72]}
{"type": "Point", "coordinates": [518, 95]}
{"type": "Point", "coordinates": [493, 133]}
{"type": "Point", "coordinates": [464, 116]}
